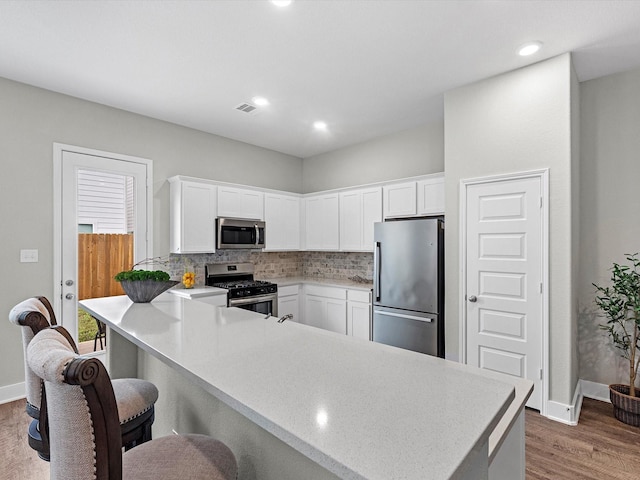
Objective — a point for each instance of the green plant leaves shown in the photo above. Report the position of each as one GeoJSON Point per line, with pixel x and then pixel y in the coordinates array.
{"type": "Point", "coordinates": [157, 275]}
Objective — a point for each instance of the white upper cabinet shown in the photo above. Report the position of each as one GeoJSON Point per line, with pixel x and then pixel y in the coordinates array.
{"type": "Point", "coordinates": [431, 196]}
{"type": "Point", "coordinates": [322, 222]}
{"type": "Point", "coordinates": [400, 200]}
{"type": "Point", "coordinates": [359, 210]}
{"type": "Point", "coordinates": [282, 218]}
{"type": "Point", "coordinates": [192, 216]}
{"type": "Point", "coordinates": [240, 203]}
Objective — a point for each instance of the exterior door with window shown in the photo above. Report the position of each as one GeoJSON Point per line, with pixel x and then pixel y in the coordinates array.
{"type": "Point", "coordinates": [102, 217]}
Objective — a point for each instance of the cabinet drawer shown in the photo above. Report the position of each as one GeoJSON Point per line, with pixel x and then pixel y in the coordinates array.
{"type": "Point", "coordinates": [328, 292]}
{"type": "Point", "coordinates": [359, 296]}
{"type": "Point", "coordinates": [288, 290]}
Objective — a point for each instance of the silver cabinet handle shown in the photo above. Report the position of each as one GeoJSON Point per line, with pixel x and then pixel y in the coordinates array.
{"type": "Point", "coordinates": [473, 299]}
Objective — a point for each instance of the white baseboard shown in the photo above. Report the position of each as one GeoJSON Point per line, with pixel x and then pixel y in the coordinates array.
{"type": "Point", "coordinates": [567, 414]}
{"type": "Point", "coordinates": [597, 391]}
{"type": "Point", "coordinates": [570, 414]}
{"type": "Point", "coordinates": [9, 393]}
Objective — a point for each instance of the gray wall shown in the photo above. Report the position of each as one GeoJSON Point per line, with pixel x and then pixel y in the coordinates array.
{"type": "Point", "coordinates": [32, 119]}
{"type": "Point", "coordinates": [418, 151]}
{"type": "Point", "coordinates": [511, 123]}
{"type": "Point", "coordinates": [610, 207]}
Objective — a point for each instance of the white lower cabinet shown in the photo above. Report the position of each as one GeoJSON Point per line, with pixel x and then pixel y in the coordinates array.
{"type": "Point", "coordinates": [338, 309]}
{"type": "Point", "coordinates": [289, 302]}
{"type": "Point", "coordinates": [326, 308]}
{"type": "Point", "coordinates": [359, 314]}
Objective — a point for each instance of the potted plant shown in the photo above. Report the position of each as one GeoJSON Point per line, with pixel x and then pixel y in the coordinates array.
{"type": "Point", "coordinates": [142, 286]}
{"type": "Point", "coordinates": [620, 304]}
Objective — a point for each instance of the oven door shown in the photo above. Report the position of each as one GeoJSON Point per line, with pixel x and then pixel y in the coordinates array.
{"type": "Point", "coordinates": [266, 304]}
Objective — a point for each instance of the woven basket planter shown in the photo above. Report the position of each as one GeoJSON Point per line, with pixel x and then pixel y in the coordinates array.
{"type": "Point", "coordinates": [143, 291]}
{"type": "Point", "coordinates": [625, 408]}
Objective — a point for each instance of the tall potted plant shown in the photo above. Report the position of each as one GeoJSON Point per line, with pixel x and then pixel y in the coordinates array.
{"type": "Point", "coordinates": [620, 305]}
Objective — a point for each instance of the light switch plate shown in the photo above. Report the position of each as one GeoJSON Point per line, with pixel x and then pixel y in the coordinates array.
{"type": "Point", "coordinates": [28, 256]}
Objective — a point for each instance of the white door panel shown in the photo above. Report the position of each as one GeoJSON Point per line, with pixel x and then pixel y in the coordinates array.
{"type": "Point", "coordinates": [504, 274]}
{"type": "Point", "coordinates": [70, 164]}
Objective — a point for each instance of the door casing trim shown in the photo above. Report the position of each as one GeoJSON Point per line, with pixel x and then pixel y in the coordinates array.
{"type": "Point", "coordinates": [58, 150]}
{"type": "Point", "coordinates": [543, 175]}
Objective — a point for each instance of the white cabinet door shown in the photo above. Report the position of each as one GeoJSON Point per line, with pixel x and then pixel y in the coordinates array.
{"type": "Point", "coordinates": [351, 221]}
{"type": "Point", "coordinates": [359, 210]}
{"type": "Point", "coordinates": [358, 324]}
{"type": "Point", "coordinates": [192, 217]}
{"type": "Point", "coordinates": [315, 311]}
{"type": "Point", "coordinates": [289, 306]}
{"type": "Point", "coordinates": [282, 218]}
{"type": "Point", "coordinates": [240, 203]}
{"type": "Point", "coordinates": [322, 222]}
{"type": "Point", "coordinates": [431, 196]}
{"type": "Point", "coordinates": [336, 319]}
{"type": "Point", "coordinates": [371, 214]}
{"type": "Point", "coordinates": [400, 200]}
{"type": "Point", "coordinates": [326, 308]}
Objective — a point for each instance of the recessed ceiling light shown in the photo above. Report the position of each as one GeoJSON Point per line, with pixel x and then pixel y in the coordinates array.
{"type": "Point", "coordinates": [281, 3]}
{"type": "Point", "coordinates": [320, 125]}
{"type": "Point", "coordinates": [529, 48]}
{"type": "Point", "coordinates": [260, 101]}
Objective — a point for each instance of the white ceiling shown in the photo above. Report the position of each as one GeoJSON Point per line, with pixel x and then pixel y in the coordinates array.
{"type": "Point", "coordinates": [366, 67]}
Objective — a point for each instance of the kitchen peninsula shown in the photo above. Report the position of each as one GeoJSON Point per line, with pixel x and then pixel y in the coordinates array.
{"type": "Point", "coordinates": [358, 409]}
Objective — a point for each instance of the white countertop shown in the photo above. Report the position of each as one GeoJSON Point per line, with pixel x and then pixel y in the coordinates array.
{"type": "Point", "coordinates": [360, 409]}
{"type": "Point", "coordinates": [327, 282]}
{"type": "Point", "coordinates": [198, 292]}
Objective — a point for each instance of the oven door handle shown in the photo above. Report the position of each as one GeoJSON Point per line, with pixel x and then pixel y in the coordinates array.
{"type": "Point", "coordinates": [248, 300]}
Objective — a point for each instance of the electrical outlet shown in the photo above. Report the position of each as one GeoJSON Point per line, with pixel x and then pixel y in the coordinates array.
{"type": "Point", "coordinates": [28, 256]}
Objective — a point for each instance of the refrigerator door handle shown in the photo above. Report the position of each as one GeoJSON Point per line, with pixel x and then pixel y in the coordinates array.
{"type": "Point", "coordinates": [409, 317]}
{"type": "Point", "coordinates": [376, 269]}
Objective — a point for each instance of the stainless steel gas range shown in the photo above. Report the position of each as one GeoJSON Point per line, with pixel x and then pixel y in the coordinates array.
{"type": "Point", "coordinates": [242, 290]}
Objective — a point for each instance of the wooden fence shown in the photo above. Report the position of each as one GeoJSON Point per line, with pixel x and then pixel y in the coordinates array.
{"type": "Point", "coordinates": [100, 257]}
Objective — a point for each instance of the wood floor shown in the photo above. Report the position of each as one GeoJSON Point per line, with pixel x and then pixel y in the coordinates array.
{"type": "Point", "coordinates": [598, 448]}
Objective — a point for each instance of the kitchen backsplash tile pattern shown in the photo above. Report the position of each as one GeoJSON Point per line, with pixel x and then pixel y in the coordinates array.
{"type": "Point", "coordinates": [337, 265]}
{"type": "Point", "coordinates": [329, 265]}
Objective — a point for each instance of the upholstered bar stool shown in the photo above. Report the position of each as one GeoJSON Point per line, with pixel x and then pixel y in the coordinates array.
{"type": "Point", "coordinates": [83, 422]}
{"type": "Point", "coordinates": [135, 398]}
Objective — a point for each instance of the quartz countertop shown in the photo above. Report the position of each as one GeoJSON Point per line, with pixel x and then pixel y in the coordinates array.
{"type": "Point", "coordinates": [360, 409]}
{"type": "Point", "coordinates": [327, 282]}
{"type": "Point", "coordinates": [198, 292]}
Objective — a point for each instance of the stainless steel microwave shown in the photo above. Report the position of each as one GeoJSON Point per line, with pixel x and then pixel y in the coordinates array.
{"type": "Point", "coordinates": [237, 233]}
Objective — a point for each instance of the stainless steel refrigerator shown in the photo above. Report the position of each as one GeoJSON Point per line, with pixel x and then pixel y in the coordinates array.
{"type": "Point", "coordinates": [408, 288]}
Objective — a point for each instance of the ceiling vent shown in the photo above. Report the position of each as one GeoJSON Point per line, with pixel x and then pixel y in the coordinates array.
{"type": "Point", "coordinates": [247, 108]}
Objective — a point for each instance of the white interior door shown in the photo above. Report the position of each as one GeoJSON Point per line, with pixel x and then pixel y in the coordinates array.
{"type": "Point", "coordinates": [73, 216]}
{"type": "Point", "coordinates": [504, 284]}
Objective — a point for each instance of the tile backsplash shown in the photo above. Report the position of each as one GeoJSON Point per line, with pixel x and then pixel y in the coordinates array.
{"type": "Point", "coordinates": [330, 265]}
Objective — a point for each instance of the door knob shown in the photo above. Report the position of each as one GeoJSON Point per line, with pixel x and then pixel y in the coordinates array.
{"type": "Point", "coordinates": [473, 299]}
{"type": "Point", "coordinates": [68, 283]}
{"type": "Point", "coordinates": [69, 296]}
